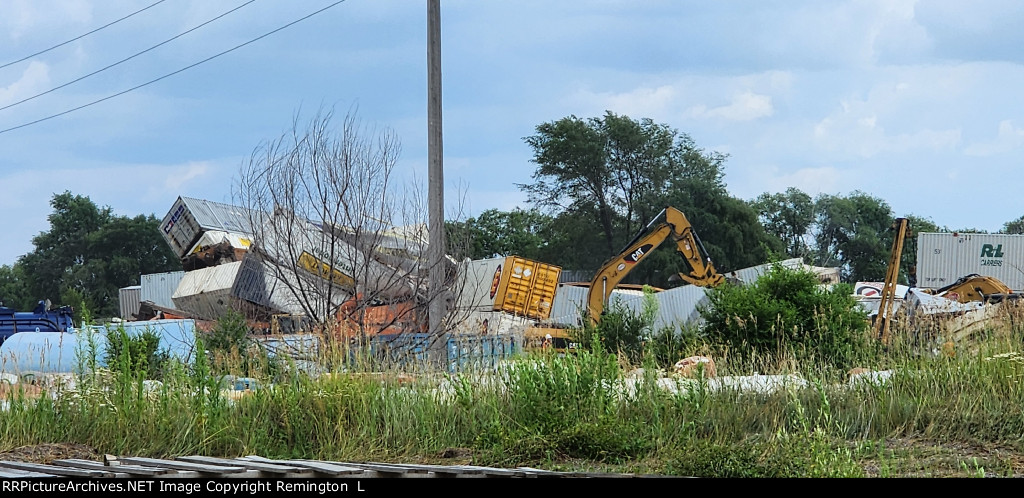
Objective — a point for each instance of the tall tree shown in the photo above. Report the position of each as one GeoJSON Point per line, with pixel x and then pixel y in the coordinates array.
{"type": "Point", "coordinates": [612, 175]}
{"type": "Point", "coordinates": [502, 233]}
{"type": "Point", "coordinates": [787, 215]}
{"type": "Point", "coordinates": [1015, 227]}
{"type": "Point", "coordinates": [853, 233]}
{"type": "Point", "coordinates": [90, 253]}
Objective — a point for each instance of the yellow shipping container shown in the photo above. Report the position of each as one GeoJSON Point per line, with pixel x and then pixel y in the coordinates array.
{"type": "Point", "coordinates": [525, 287]}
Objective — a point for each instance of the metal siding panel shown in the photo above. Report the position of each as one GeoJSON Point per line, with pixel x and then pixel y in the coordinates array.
{"type": "Point", "coordinates": [943, 258]}
{"type": "Point", "coordinates": [128, 301]}
{"type": "Point", "coordinates": [158, 288]}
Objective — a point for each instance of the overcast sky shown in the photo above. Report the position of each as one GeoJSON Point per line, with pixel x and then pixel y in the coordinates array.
{"type": "Point", "coordinates": [915, 102]}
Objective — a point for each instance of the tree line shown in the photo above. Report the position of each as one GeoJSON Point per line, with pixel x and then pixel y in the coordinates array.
{"type": "Point", "coordinates": [596, 183]}
{"type": "Point", "coordinates": [85, 257]}
{"type": "Point", "coordinates": [599, 181]}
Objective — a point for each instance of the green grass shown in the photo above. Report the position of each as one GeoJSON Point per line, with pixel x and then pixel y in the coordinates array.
{"type": "Point", "coordinates": [949, 414]}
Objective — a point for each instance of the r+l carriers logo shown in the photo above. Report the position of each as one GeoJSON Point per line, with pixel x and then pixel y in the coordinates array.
{"type": "Point", "coordinates": [989, 253]}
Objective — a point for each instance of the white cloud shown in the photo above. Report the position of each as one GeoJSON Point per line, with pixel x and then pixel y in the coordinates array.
{"type": "Point", "coordinates": [746, 106]}
{"type": "Point", "coordinates": [857, 126]}
{"type": "Point", "coordinates": [35, 77]}
{"type": "Point", "coordinates": [183, 174]}
{"type": "Point", "coordinates": [1007, 139]}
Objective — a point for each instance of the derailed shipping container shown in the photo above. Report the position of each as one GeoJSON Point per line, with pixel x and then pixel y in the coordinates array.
{"type": "Point", "coordinates": [189, 218]}
{"type": "Point", "coordinates": [510, 284]}
{"type": "Point", "coordinates": [943, 258]}
{"type": "Point", "coordinates": [206, 292]}
{"type": "Point", "coordinates": [292, 242]}
{"type": "Point", "coordinates": [274, 288]}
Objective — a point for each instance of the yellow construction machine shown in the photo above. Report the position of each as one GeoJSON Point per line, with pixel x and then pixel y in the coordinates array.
{"type": "Point", "coordinates": [675, 225]}
{"type": "Point", "coordinates": [670, 223]}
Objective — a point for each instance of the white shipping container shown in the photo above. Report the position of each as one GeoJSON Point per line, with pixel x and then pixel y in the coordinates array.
{"type": "Point", "coordinates": [206, 292]}
{"type": "Point", "coordinates": [475, 289]}
{"type": "Point", "coordinates": [128, 300]}
{"type": "Point", "coordinates": [296, 243]}
{"type": "Point", "coordinates": [260, 283]}
{"type": "Point", "coordinates": [943, 258]}
{"type": "Point", "coordinates": [189, 218]}
{"type": "Point", "coordinates": [158, 288]}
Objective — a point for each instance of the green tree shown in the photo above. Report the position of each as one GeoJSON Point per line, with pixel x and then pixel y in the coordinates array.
{"type": "Point", "coordinates": [853, 233]}
{"type": "Point", "coordinates": [90, 253]}
{"type": "Point", "coordinates": [787, 215]}
{"type": "Point", "coordinates": [1015, 227]}
{"type": "Point", "coordinates": [604, 179]}
{"type": "Point", "coordinates": [609, 167]}
{"type": "Point", "coordinates": [502, 233]}
{"type": "Point", "coordinates": [12, 288]}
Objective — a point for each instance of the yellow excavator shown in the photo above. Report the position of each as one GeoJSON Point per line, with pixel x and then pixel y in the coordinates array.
{"type": "Point", "coordinates": [670, 223]}
{"type": "Point", "coordinates": [675, 225]}
{"type": "Point", "coordinates": [975, 287]}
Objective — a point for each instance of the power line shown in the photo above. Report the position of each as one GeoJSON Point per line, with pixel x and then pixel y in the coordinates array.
{"type": "Point", "coordinates": [82, 36]}
{"type": "Point", "coordinates": [150, 82]}
{"type": "Point", "coordinates": [126, 59]}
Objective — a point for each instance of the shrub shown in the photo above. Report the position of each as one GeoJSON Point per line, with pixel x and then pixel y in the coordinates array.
{"type": "Point", "coordinates": [621, 330]}
{"type": "Point", "coordinates": [138, 354]}
{"type": "Point", "coordinates": [786, 310]}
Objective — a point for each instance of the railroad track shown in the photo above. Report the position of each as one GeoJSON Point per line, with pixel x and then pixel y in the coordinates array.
{"type": "Point", "coordinates": [255, 467]}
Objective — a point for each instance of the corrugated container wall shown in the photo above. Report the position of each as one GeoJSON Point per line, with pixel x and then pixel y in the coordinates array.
{"type": "Point", "coordinates": [260, 283]}
{"type": "Point", "coordinates": [189, 218]}
{"type": "Point", "coordinates": [158, 288]}
{"type": "Point", "coordinates": [207, 292]}
{"type": "Point", "coordinates": [511, 284]}
{"type": "Point", "coordinates": [943, 258]}
{"type": "Point", "coordinates": [128, 300]}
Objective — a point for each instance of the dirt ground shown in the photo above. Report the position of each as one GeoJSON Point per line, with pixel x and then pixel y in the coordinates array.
{"type": "Point", "coordinates": [47, 453]}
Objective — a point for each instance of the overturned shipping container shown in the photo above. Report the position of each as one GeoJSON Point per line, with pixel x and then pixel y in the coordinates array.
{"type": "Point", "coordinates": [189, 218]}
{"type": "Point", "coordinates": [279, 289]}
{"type": "Point", "coordinates": [206, 293]}
{"type": "Point", "coordinates": [291, 242]}
{"type": "Point", "coordinates": [510, 284]}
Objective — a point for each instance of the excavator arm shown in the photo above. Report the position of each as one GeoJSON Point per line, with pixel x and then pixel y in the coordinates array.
{"type": "Point", "coordinates": [675, 225]}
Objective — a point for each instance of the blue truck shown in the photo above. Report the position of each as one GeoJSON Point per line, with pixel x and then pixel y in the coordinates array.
{"type": "Point", "coordinates": [41, 319]}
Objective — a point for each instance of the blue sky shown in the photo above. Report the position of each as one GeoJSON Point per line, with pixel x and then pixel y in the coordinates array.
{"type": "Point", "coordinates": [910, 101]}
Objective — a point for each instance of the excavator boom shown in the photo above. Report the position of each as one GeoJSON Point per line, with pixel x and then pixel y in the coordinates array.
{"type": "Point", "coordinates": [702, 271]}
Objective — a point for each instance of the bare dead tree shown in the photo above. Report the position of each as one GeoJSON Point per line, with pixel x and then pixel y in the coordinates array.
{"type": "Point", "coordinates": [334, 237]}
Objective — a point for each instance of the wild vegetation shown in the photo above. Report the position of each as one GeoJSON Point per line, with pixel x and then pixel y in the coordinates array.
{"type": "Point", "coordinates": [953, 413]}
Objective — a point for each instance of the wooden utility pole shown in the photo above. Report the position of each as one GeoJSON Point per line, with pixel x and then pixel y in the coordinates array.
{"type": "Point", "coordinates": [889, 286]}
{"type": "Point", "coordinates": [435, 176]}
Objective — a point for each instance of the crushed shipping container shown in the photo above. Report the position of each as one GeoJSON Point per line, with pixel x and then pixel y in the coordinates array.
{"type": "Point", "coordinates": [290, 241]}
{"type": "Point", "coordinates": [189, 218]}
{"type": "Point", "coordinates": [206, 293]}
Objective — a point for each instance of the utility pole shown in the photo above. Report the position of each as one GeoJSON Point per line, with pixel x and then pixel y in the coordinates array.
{"type": "Point", "coordinates": [435, 176]}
